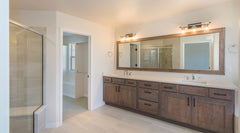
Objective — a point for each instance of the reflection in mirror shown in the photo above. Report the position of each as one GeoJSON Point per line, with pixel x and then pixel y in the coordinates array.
{"type": "Point", "coordinates": [195, 52]}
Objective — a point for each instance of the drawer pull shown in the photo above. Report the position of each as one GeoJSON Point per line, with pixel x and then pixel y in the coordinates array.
{"type": "Point", "coordinates": [148, 85]}
{"type": "Point", "coordinates": [218, 94]}
{"type": "Point", "coordinates": [147, 104]}
{"type": "Point", "coordinates": [168, 87]}
{"type": "Point", "coordinates": [148, 92]}
{"type": "Point", "coordinates": [131, 83]}
{"type": "Point", "coordinates": [188, 101]}
{"type": "Point", "coordinates": [119, 88]}
{"type": "Point", "coordinates": [194, 102]}
{"type": "Point", "coordinates": [116, 88]}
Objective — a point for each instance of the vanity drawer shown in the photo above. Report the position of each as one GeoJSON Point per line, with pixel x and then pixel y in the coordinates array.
{"type": "Point", "coordinates": [117, 81]}
{"type": "Point", "coordinates": [221, 94]}
{"type": "Point", "coordinates": [107, 79]}
{"type": "Point", "coordinates": [169, 87]}
{"type": "Point", "coordinates": [131, 82]}
{"type": "Point", "coordinates": [148, 94]}
{"type": "Point", "coordinates": [146, 84]}
{"type": "Point", "coordinates": [197, 91]}
{"type": "Point", "coordinates": [149, 107]}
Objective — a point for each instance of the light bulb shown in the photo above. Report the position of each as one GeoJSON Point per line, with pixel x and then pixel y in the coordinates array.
{"type": "Point", "coordinates": [134, 38]}
{"type": "Point", "coordinates": [123, 39]}
{"type": "Point", "coordinates": [183, 31]}
{"type": "Point", "coordinates": [194, 30]}
{"type": "Point", "coordinates": [206, 28]}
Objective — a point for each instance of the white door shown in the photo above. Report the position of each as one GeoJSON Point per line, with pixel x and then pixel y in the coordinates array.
{"type": "Point", "coordinates": [81, 69]}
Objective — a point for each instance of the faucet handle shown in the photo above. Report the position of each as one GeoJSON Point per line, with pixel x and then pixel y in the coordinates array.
{"type": "Point", "coordinates": [129, 73]}
{"type": "Point", "coordinates": [187, 77]}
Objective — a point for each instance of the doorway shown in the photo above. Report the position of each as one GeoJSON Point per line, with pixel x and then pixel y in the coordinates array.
{"type": "Point", "coordinates": [75, 71]}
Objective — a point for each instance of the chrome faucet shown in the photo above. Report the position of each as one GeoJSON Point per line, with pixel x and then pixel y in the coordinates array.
{"type": "Point", "coordinates": [125, 72]}
{"type": "Point", "coordinates": [193, 77]}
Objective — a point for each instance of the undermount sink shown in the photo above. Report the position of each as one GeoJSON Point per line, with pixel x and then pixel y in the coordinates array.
{"type": "Point", "coordinates": [194, 81]}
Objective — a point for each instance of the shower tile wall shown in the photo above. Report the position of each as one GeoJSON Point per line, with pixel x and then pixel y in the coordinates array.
{"type": "Point", "coordinates": [25, 69]}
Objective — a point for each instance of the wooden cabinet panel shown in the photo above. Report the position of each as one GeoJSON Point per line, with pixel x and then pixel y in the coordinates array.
{"type": "Point", "coordinates": [221, 94]}
{"type": "Point", "coordinates": [127, 96]}
{"type": "Point", "coordinates": [176, 107]}
{"type": "Point", "coordinates": [212, 114]}
{"type": "Point", "coordinates": [131, 83]}
{"type": "Point", "coordinates": [107, 79]}
{"type": "Point", "coordinates": [169, 87]}
{"type": "Point", "coordinates": [205, 108]}
{"type": "Point", "coordinates": [148, 94]}
{"type": "Point", "coordinates": [197, 91]}
{"type": "Point", "coordinates": [147, 84]}
{"type": "Point", "coordinates": [117, 81]}
{"type": "Point", "coordinates": [149, 107]}
{"type": "Point", "coordinates": [110, 94]}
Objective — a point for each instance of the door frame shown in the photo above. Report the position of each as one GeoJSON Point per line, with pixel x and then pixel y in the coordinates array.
{"type": "Point", "coordinates": [61, 70]}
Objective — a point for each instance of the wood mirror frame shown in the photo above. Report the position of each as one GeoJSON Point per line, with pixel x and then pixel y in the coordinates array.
{"type": "Point", "coordinates": [221, 70]}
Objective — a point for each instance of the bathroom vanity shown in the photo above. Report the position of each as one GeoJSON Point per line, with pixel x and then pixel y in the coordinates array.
{"type": "Point", "coordinates": [204, 106]}
{"type": "Point", "coordinates": [207, 106]}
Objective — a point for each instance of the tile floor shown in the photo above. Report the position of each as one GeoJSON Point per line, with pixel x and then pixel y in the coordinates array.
{"type": "Point", "coordinates": [108, 119]}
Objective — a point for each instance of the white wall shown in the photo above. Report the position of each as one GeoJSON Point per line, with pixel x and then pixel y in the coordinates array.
{"type": "Point", "coordinates": [221, 16]}
{"type": "Point", "coordinates": [4, 67]}
{"type": "Point", "coordinates": [46, 19]}
{"type": "Point", "coordinates": [102, 41]}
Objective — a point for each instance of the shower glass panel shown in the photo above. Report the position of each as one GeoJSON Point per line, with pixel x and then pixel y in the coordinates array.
{"type": "Point", "coordinates": [26, 78]}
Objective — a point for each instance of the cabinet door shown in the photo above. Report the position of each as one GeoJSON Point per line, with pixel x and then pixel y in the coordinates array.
{"type": "Point", "coordinates": [176, 107]}
{"type": "Point", "coordinates": [110, 93]}
{"type": "Point", "coordinates": [127, 96]}
{"type": "Point", "coordinates": [212, 114]}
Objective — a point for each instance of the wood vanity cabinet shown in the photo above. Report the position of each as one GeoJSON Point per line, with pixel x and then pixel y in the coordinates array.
{"type": "Point", "coordinates": [212, 114]}
{"type": "Point", "coordinates": [201, 108]}
{"type": "Point", "coordinates": [176, 107]}
{"type": "Point", "coordinates": [119, 94]}
{"type": "Point", "coordinates": [192, 105]}
{"type": "Point", "coordinates": [127, 96]}
{"type": "Point", "coordinates": [110, 93]}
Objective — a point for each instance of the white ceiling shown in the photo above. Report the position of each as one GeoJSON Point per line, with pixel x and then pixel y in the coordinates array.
{"type": "Point", "coordinates": [117, 12]}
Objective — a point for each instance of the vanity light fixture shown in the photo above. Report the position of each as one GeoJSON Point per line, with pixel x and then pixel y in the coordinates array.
{"type": "Point", "coordinates": [128, 37]}
{"type": "Point", "coordinates": [195, 27]}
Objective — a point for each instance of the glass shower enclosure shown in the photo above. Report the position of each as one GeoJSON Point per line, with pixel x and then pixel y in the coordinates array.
{"type": "Point", "coordinates": [26, 77]}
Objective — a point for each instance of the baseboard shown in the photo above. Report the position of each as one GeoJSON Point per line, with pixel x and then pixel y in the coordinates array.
{"type": "Point", "coordinates": [98, 106]}
{"type": "Point", "coordinates": [53, 125]}
{"type": "Point", "coordinates": [236, 128]}
{"type": "Point", "coordinates": [68, 95]}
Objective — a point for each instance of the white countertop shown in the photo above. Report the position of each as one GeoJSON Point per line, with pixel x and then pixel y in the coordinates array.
{"type": "Point", "coordinates": [201, 83]}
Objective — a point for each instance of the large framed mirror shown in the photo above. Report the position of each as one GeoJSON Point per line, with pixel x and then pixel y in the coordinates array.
{"type": "Point", "coordinates": [193, 52]}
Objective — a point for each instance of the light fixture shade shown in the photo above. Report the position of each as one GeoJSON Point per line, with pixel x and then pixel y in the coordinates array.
{"type": "Point", "coordinates": [195, 27]}
{"type": "Point", "coordinates": [128, 37]}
